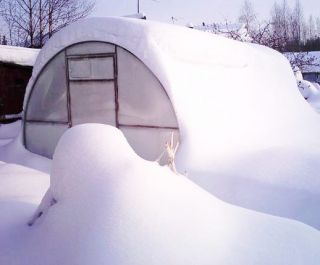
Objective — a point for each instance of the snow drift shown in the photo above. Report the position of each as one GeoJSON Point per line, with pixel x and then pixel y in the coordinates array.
{"type": "Point", "coordinates": [109, 206]}
{"type": "Point", "coordinates": [229, 96]}
{"type": "Point", "coordinates": [233, 101]}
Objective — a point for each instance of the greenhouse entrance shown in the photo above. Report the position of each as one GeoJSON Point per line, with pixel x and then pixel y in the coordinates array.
{"type": "Point", "coordinates": [98, 82]}
{"type": "Point", "coordinates": [93, 89]}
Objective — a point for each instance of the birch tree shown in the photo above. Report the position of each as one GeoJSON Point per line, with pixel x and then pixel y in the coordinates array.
{"type": "Point", "coordinates": [31, 22]}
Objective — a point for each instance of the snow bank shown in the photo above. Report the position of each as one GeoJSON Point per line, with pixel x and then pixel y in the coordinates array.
{"type": "Point", "coordinates": [307, 89]}
{"type": "Point", "coordinates": [279, 181]}
{"type": "Point", "coordinates": [18, 55]}
{"type": "Point", "coordinates": [13, 151]}
{"type": "Point", "coordinates": [8, 132]}
{"type": "Point", "coordinates": [21, 190]}
{"type": "Point", "coordinates": [108, 206]}
{"type": "Point", "coordinates": [229, 96]}
{"type": "Point", "coordinates": [233, 100]}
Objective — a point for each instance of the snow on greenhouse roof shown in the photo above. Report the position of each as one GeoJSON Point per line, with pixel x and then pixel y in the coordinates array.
{"type": "Point", "coordinates": [18, 55]}
{"type": "Point", "coordinates": [225, 29]}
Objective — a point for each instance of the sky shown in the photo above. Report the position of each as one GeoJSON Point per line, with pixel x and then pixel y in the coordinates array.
{"type": "Point", "coordinates": [196, 11]}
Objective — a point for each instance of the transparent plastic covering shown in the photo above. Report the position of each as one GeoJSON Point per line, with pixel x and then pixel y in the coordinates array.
{"type": "Point", "coordinates": [145, 113]}
{"type": "Point", "coordinates": [91, 68]}
{"type": "Point", "coordinates": [92, 102]}
{"type": "Point", "coordinates": [142, 98]}
{"type": "Point", "coordinates": [42, 138]}
{"type": "Point", "coordinates": [48, 100]}
{"type": "Point", "coordinates": [91, 47]}
{"type": "Point", "coordinates": [150, 143]}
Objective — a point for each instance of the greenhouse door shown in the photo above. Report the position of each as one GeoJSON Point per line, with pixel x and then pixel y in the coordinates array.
{"type": "Point", "coordinates": [91, 81]}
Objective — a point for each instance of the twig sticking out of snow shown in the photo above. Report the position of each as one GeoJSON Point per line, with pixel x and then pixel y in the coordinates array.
{"type": "Point", "coordinates": [171, 150]}
{"type": "Point", "coordinates": [47, 201]}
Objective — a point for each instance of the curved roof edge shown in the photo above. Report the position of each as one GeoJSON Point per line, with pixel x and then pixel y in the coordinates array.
{"type": "Point", "coordinates": [152, 42]}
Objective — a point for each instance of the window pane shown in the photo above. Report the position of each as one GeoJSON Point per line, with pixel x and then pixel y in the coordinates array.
{"type": "Point", "coordinates": [42, 138]}
{"type": "Point", "coordinates": [92, 102]}
{"type": "Point", "coordinates": [150, 143]}
{"type": "Point", "coordinates": [48, 101]}
{"type": "Point", "coordinates": [91, 68]}
{"type": "Point", "coordinates": [90, 48]}
{"type": "Point", "coordinates": [142, 99]}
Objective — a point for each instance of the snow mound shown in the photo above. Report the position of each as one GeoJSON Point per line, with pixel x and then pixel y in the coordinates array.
{"type": "Point", "coordinates": [13, 151]}
{"type": "Point", "coordinates": [280, 181]}
{"type": "Point", "coordinates": [233, 101]}
{"type": "Point", "coordinates": [21, 190]}
{"type": "Point", "coordinates": [8, 132]}
{"type": "Point", "coordinates": [307, 89]}
{"type": "Point", "coordinates": [105, 205]}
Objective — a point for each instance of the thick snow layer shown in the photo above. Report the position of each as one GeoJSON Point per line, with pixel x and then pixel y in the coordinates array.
{"type": "Point", "coordinates": [13, 151]}
{"type": "Point", "coordinates": [233, 100]}
{"type": "Point", "coordinates": [18, 55]}
{"type": "Point", "coordinates": [218, 86]}
{"type": "Point", "coordinates": [279, 181]}
{"type": "Point", "coordinates": [105, 205]}
{"type": "Point", "coordinates": [307, 89]}
{"type": "Point", "coordinates": [21, 190]}
{"type": "Point", "coordinates": [8, 132]}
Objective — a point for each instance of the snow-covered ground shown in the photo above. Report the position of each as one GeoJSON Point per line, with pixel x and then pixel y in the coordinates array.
{"type": "Point", "coordinates": [13, 151]}
{"type": "Point", "coordinates": [309, 90]}
{"type": "Point", "coordinates": [247, 137]}
{"type": "Point", "coordinates": [109, 206]}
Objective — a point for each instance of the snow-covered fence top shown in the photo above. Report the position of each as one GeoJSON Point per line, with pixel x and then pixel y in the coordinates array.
{"type": "Point", "coordinates": [229, 97]}
{"type": "Point", "coordinates": [18, 55]}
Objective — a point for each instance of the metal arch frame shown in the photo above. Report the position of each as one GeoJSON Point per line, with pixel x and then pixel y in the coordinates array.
{"type": "Point", "coordinates": [114, 80]}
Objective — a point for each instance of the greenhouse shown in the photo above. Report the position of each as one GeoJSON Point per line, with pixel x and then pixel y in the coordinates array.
{"type": "Point", "coordinates": [98, 82]}
{"type": "Point", "coordinates": [154, 80]}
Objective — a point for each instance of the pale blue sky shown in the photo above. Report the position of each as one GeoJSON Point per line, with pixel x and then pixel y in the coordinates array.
{"type": "Point", "coordinates": [193, 11]}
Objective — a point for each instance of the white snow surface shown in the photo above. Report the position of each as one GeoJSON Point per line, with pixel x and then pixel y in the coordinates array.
{"type": "Point", "coordinates": [233, 101]}
{"type": "Point", "coordinates": [218, 86]}
{"type": "Point", "coordinates": [18, 55]}
{"type": "Point", "coordinates": [106, 205]}
{"type": "Point", "coordinates": [21, 190]}
{"type": "Point", "coordinates": [307, 89]}
{"type": "Point", "coordinates": [8, 132]}
{"type": "Point", "coordinates": [13, 151]}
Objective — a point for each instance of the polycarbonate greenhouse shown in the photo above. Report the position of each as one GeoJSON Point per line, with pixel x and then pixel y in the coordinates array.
{"type": "Point", "coordinates": [149, 79]}
{"type": "Point", "coordinates": [98, 82]}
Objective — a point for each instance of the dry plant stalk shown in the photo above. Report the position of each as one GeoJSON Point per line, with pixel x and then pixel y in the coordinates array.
{"type": "Point", "coordinates": [170, 150]}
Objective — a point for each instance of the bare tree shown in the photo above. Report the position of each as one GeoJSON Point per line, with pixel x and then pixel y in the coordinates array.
{"type": "Point", "coordinates": [297, 23]}
{"type": "Point", "coordinates": [280, 17]}
{"type": "Point", "coordinates": [318, 27]}
{"type": "Point", "coordinates": [31, 22]}
{"type": "Point", "coordinates": [311, 28]}
{"type": "Point", "coordinates": [248, 16]}
{"type": "Point", "coordinates": [60, 13]}
{"type": "Point", "coordinates": [20, 18]}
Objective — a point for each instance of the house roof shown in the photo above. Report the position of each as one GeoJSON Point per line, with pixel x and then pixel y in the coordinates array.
{"type": "Point", "coordinates": [18, 55]}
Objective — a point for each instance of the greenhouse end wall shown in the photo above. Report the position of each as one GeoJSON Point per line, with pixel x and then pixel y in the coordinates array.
{"type": "Point", "coordinates": [98, 82]}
